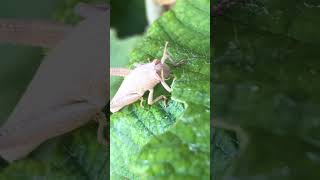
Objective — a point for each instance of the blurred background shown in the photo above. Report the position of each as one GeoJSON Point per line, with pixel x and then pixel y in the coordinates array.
{"type": "Point", "coordinates": [128, 17]}
{"type": "Point", "coordinates": [266, 89]}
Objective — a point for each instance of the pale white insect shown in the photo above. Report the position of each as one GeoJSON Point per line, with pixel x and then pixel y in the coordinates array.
{"type": "Point", "coordinates": [139, 80]}
{"type": "Point", "coordinates": [70, 86]}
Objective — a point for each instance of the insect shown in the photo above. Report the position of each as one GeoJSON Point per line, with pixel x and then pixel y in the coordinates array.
{"type": "Point", "coordinates": [139, 80]}
{"type": "Point", "coordinates": [68, 90]}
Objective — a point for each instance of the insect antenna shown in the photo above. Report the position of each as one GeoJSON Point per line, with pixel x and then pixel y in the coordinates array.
{"type": "Point", "coordinates": [165, 55]}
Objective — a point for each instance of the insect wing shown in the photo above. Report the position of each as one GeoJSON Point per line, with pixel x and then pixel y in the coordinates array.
{"type": "Point", "coordinates": [120, 101]}
{"type": "Point", "coordinates": [131, 89]}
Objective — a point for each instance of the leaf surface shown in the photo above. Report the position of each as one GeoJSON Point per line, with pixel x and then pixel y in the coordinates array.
{"type": "Point", "coordinates": [173, 141]}
{"type": "Point", "coordinates": [266, 69]}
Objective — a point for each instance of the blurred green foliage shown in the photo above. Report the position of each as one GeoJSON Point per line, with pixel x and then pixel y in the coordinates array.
{"type": "Point", "coordinates": [119, 56]}
{"type": "Point", "coordinates": [266, 74]}
{"type": "Point", "coordinates": [128, 17]}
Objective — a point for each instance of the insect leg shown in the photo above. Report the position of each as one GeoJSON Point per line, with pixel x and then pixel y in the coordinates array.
{"type": "Point", "coordinates": [119, 72]}
{"type": "Point", "coordinates": [120, 102]}
{"type": "Point", "coordinates": [101, 119]}
{"type": "Point", "coordinates": [165, 55]}
{"type": "Point", "coordinates": [152, 101]}
{"type": "Point", "coordinates": [166, 86]}
{"type": "Point", "coordinates": [32, 32]}
{"type": "Point", "coordinates": [141, 102]}
{"type": "Point", "coordinates": [176, 63]}
{"type": "Point", "coordinates": [86, 10]}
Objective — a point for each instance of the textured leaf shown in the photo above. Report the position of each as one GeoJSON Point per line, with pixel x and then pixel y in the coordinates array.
{"type": "Point", "coordinates": [170, 142]}
{"type": "Point", "coordinates": [266, 74]}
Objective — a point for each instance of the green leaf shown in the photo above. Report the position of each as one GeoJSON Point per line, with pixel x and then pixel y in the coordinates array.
{"type": "Point", "coordinates": [266, 74]}
{"type": "Point", "coordinates": [142, 137]}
